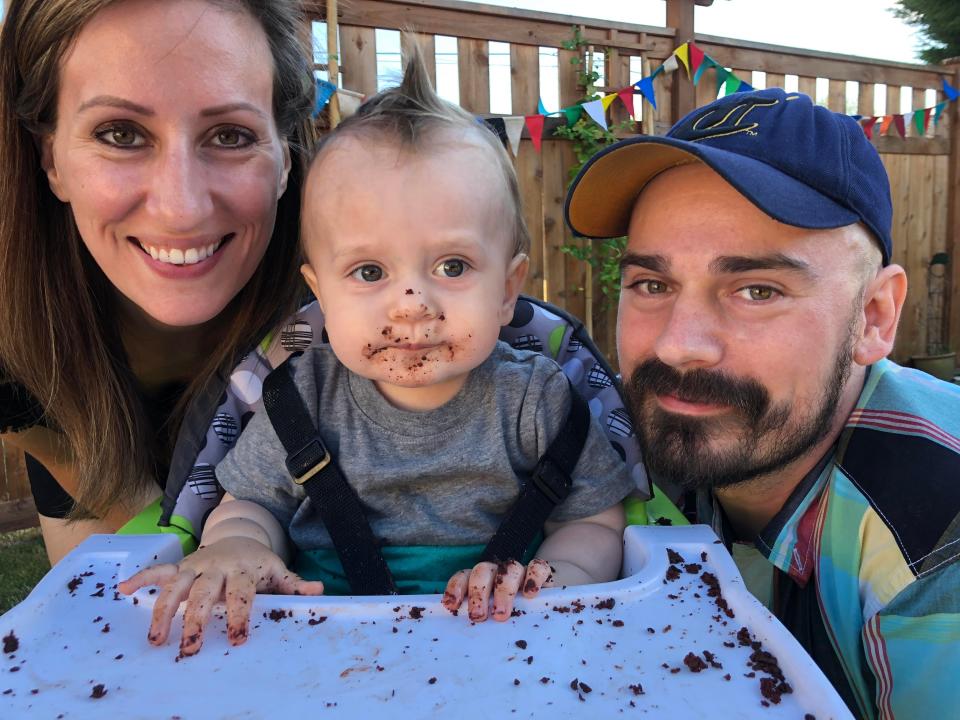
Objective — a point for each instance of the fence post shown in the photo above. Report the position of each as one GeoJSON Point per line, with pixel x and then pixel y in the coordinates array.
{"type": "Point", "coordinates": [680, 18]}
{"type": "Point", "coordinates": [952, 311]}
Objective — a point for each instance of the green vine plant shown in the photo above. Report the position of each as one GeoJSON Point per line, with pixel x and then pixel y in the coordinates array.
{"type": "Point", "coordinates": [587, 138]}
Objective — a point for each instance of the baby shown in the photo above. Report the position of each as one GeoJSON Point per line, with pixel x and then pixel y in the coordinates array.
{"type": "Point", "coordinates": [416, 252]}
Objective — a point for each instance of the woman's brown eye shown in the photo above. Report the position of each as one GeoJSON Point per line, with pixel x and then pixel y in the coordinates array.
{"type": "Point", "coordinates": [228, 137]}
{"type": "Point", "coordinates": [123, 136]}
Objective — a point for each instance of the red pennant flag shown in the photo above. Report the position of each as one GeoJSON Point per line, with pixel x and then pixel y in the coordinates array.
{"type": "Point", "coordinates": [926, 119]}
{"type": "Point", "coordinates": [535, 126]}
{"type": "Point", "coordinates": [696, 57]}
{"type": "Point", "coordinates": [868, 127]}
{"type": "Point", "coordinates": [901, 126]}
{"type": "Point", "coordinates": [626, 97]}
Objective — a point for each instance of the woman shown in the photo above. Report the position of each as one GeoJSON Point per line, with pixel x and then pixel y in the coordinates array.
{"type": "Point", "coordinates": [148, 233]}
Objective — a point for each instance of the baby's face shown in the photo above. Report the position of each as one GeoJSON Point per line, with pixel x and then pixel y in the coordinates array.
{"type": "Point", "coordinates": [411, 257]}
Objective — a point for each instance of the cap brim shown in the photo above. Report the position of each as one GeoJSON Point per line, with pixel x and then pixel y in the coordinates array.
{"type": "Point", "coordinates": [601, 198]}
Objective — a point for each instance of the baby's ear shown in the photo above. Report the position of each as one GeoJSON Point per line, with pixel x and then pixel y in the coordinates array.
{"type": "Point", "coordinates": [311, 279]}
{"type": "Point", "coordinates": [882, 303]}
{"type": "Point", "coordinates": [516, 276]}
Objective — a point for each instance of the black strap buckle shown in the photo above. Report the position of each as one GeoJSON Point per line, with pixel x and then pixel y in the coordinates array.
{"type": "Point", "coordinates": [308, 461]}
{"type": "Point", "coordinates": [551, 480]}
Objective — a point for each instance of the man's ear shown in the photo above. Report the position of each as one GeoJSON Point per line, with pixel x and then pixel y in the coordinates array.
{"type": "Point", "coordinates": [882, 304]}
{"type": "Point", "coordinates": [49, 165]}
{"type": "Point", "coordinates": [311, 279]}
{"type": "Point", "coordinates": [516, 275]}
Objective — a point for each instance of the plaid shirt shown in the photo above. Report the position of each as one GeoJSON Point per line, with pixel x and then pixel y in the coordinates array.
{"type": "Point", "coordinates": [868, 549]}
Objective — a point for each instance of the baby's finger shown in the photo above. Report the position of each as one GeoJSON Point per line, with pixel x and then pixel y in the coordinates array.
{"type": "Point", "coordinates": [206, 591]}
{"type": "Point", "coordinates": [240, 591]}
{"type": "Point", "coordinates": [539, 573]}
{"type": "Point", "coordinates": [287, 583]}
{"type": "Point", "coordinates": [509, 577]}
{"type": "Point", "coordinates": [154, 575]}
{"type": "Point", "coordinates": [166, 606]}
{"type": "Point", "coordinates": [481, 581]}
{"type": "Point", "coordinates": [455, 591]}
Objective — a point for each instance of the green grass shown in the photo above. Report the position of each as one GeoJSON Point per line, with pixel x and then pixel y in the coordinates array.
{"type": "Point", "coordinates": [23, 561]}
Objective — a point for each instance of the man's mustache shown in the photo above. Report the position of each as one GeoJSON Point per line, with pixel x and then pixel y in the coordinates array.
{"type": "Point", "coordinates": [710, 387]}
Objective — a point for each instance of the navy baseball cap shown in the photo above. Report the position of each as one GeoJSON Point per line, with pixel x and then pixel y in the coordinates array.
{"type": "Point", "coordinates": [801, 164]}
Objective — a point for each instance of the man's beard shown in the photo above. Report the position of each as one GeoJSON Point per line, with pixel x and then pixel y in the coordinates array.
{"type": "Point", "coordinates": [760, 439]}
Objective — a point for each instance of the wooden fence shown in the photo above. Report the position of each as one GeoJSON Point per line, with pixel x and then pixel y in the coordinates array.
{"type": "Point", "coordinates": [924, 171]}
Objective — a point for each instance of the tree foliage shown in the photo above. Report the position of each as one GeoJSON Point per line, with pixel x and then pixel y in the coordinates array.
{"type": "Point", "coordinates": [939, 24]}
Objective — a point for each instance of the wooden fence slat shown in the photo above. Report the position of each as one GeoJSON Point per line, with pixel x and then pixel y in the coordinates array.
{"type": "Point", "coordinates": [777, 80]}
{"type": "Point", "coordinates": [554, 235]}
{"type": "Point", "coordinates": [358, 59]}
{"type": "Point", "coordinates": [428, 47]}
{"type": "Point", "coordinates": [893, 102]}
{"type": "Point", "coordinates": [524, 78]}
{"type": "Point", "coordinates": [866, 99]}
{"type": "Point", "coordinates": [808, 86]}
{"type": "Point", "coordinates": [837, 96]}
{"type": "Point", "coordinates": [473, 61]}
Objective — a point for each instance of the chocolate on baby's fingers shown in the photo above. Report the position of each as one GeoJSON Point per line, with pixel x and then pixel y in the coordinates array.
{"type": "Point", "coordinates": [456, 591]}
{"type": "Point", "coordinates": [478, 591]}
{"type": "Point", "coordinates": [539, 575]}
{"type": "Point", "coordinates": [510, 575]}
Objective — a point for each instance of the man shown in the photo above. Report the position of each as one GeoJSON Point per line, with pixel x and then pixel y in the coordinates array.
{"type": "Point", "coordinates": [758, 305]}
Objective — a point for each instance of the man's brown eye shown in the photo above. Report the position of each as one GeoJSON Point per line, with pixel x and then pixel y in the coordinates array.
{"type": "Point", "coordinates": [760, 293]}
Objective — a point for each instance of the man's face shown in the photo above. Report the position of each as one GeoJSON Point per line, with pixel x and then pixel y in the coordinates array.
{"type": "Point", "coordinates": [735, 332]}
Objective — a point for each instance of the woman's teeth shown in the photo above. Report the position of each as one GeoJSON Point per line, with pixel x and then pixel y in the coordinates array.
{"type": "Point", "coordinates": [176, 256]}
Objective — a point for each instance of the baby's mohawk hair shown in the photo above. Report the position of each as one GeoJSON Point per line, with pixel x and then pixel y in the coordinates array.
{"type": "Point", "coordinates": [412, 113]}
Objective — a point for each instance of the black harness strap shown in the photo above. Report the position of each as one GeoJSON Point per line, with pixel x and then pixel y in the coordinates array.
{"type": "Point", "coordinates": [338, 505]}
{"type": "Point", "coordinates": [548, 486]}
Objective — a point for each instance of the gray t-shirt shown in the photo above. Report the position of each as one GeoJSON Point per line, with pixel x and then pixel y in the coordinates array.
{"type": "Point", "coordinates": [441, 477]}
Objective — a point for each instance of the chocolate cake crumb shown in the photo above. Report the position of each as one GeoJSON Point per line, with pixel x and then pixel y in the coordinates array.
{"type": "Point", "coordinates": [727, 677]}
{"type": "Point", "coordinates": [651, 631]}
{"type": "Point", "coordinates": [743, 636]}
{"type": "Point", "coordinates": [98, 593]}
{"type": "Point", "coordinates": [667, 628]}
{"type": "Point", "coordinates": [76, 582]}
{"type": "Point", "coordinates": [277, 615]}
{"type": "Point", "coordinates": [15, 668]}
{"type": "Point", "coordinates": [692, 568]}
{"type": "Point", "coordinates": [522, 644]}
{"type": "Point", "coordinates": [98, 691]}
{"type": "Point", "coordinates": [544, 680]}
{"type": "Point", "coordinates": [673, 573]}
{"type": "Point", "coordinates": [432, 680]}
{"type": "Point", "coordinates": [323, 618]}
{"type": "Point", "coordinates": [674, 671]}
{"type": "Point", "coordinates": [636, 689]}
{"type": "Point", "coordinates": [529, 660]}
{"type": "Point", "coordinates": [694, 663]}
{"type": "Point", "coordinates": [674, 557]}
{"type": "Point", "coordinates": [809, 716]}
{"type": "Point", "coordinates": [606, 604]}
{"type": "Point", "coordinates": [8, 691]}
{"type": "Point", "coordinates": [573, 684]}
{"type": "Point", "coordinates": [703, 557]}
{"type": "Point", "coordinates": [10, 643]}
{"type": "Point", "coordinates": [98, 618]}
{"type": "Point", "coordinates": [617, 623]}
{"type": "Point", "coordinates": [712, 659]}
{"type": "Point", "coordinates": [409, 291]}
{"type": "Point", "coordinates": [119, 657]}
{"type": "Point", "coordinates": [416, 613]}
{"type": "Point", "coordinates": [516, 681]}
{"type": "Point", "coordinates": [586, 688]}
{"type": "Point", "coordinates": [105, 628]}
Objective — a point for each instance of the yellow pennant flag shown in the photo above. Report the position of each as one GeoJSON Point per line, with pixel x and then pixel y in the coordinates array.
{"type": "Point", "coordinates": [683, 54]}
{"type": "Point", "coordinates": [607, 100]}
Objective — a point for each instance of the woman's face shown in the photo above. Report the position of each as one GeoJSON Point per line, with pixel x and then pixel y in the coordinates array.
{"type": "Point", "coordinates": [167, 152]}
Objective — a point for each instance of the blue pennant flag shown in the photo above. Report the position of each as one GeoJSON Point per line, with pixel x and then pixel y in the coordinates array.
{"type": "Point", "coordinates": [949, 90]}
{"type": "Point", "coordinates": [744, 86]}
{"type": "Point", "coordinates": [325, 91]}
{"type": "Point", "coordinates": [645, 86]}
{"type": "Point", "coordinates": [541, 108]}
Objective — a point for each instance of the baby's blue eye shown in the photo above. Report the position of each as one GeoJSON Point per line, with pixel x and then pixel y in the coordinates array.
{"type": "Point", "coordinates": [368, 273]}
{"type": "Point", "coordinates": [452, 268]}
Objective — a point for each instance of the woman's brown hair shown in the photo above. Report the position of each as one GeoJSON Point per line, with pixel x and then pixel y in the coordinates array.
{"type": "Point", "coordinates": [59, 336]}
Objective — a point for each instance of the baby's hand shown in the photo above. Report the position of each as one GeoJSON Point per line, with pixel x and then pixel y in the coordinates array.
{"type": "Point", "coordinates": [235, 568]}
{"type": "Point", "coordinates": [505, 579]}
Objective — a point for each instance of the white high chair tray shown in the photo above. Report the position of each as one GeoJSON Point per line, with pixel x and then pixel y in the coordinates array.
{"type": "Point", "coordinates": [637, 647]}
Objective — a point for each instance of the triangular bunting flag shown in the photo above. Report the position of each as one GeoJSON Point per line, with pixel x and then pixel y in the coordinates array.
{"type": "Point", "coordinates": [683, 54]}
{"type": "Point", "coordinates": [572, 113]}
{"type": "Point", "coordinates": [899, 124]}
{"type": "Point", "coordinates": [696, 59]}
{"type": "Point", "coordinates": [868, 127]}
{"type": "Point", "coordinates": [907, 120]}
{"type": "Point", "coordinates": [514, 127]}
{"type": "Point", "coordinates": [535, 126]}
{"type": "Point", "coordinates": [626, 97]}
{"type": "Point", "coordinates": [938, 111]}
{"type": "Point", "coordinates": [920, 119]}
{"type": "Point", "coordinates": [325, 91]}
{"type": "Point", "coordinates": [499, 127]}
{"type": "Point", "coordinates": [732, 84]}
{"type": "Point", "coordinates": [722, 74]}
{"type": "Point", "coordinates": [607, 100]}
{"type": "Point", "coordinates": [594, 109]}
{"type": "Point", "coordinates": [645, 86]}
{"type": "Point", "coordinates": [669, 65]}
{"type": "Point", "coordinates": [949, 90]}
{"type": "Point", "coordinates": [660, 69]}
{"type": "Point", "coordinates": [541, 108]}
{"type": "Point", "coordinates": [708, 62]}
{"type": "Point", "coordinates": [745, 86]}
{"type": "Point", "coordinates": [885, 124]}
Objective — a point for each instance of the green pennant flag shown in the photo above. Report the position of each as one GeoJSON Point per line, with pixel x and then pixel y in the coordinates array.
{"type": "Point", "coordinates": [918, 123]}
{"type": "Point", "coordinates": [732, 84]}
{"type": "Point", "coordinates": [721, 77]}
{"type": "Point", "coordinates": [572, 113]}
{"type": "Point", "coordinates": [707, 63]}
